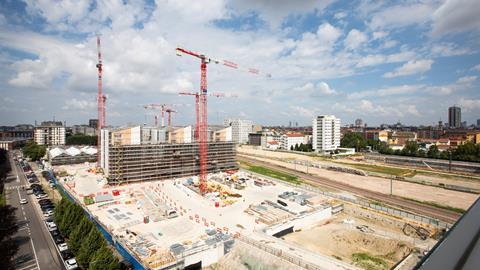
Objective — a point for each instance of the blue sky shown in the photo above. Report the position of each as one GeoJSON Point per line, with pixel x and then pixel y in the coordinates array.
{"type": "Point", "coordinates": [380, 61]}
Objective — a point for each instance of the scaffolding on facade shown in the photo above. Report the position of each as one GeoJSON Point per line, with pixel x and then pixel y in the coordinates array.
{"type": "Point", "coordinates": [149, 162]}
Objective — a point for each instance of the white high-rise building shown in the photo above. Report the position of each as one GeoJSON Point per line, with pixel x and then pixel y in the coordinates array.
{"type": "Point", "coordinates": [240, 129]}
{"type": "Point", "coordinates": [50, 133]}
{"type": "Point", "coordinates": [325, 133]}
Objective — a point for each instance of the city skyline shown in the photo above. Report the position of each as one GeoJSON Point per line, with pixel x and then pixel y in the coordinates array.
{"type": "Point", "coordinates": [353, 60]}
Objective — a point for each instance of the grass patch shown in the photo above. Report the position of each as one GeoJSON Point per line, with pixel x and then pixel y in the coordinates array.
{"type": "Point", "coordinates": [369, 262]}
{"type": "Point", "coordinates": [271, 173]}
{"type": "Point", "coordinates": [442, 206]}
{"type": "Point", "coordinates": [384, 170]}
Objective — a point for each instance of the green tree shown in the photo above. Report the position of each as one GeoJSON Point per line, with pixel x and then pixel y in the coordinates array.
{"type": "Point", "coordinates": [291, 147]}
{"type": "Point", "coordinates": [103, 259]}
{"type": "Point", "coordinates": [410, 149]}
{"type": "Point", "coordinates": [8, 227]}
{"type": "Point", "coordinates": [80, 139]}
{"type": "Point", "coordinates": [71, 219]}
{"type": "Point", "coordinates": [93, 241]}
{"type": "Point", "coordinates": [433, 151]}
{"type": "Point", "coordinates": [353, 140]}
{"type": "Point", "coordinates": [34, 151]}
{"type": "Point", "coordinates": [78, 234]}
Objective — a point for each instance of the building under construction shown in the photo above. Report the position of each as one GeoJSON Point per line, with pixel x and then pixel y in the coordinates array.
{"type": "Point", "coordinates": [128, 157]}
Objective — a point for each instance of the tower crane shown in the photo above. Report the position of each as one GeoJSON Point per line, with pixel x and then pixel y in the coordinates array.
{"type": "Point", "coordinates": [101, 101]}
{"type": "Point", "coordinates": [201, 108]}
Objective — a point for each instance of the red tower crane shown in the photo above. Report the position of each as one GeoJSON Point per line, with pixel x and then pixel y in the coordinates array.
{"type": "Point", "coordinates": [201, 108]}
{"type": "Point", "coordinates": [197, 115]}
{"type": "Point", "coordinates": [161, 107]}
{"type": "Point", "coordinates": [101, 100]}
{"type": "Point", "coordinates": [169, 112]}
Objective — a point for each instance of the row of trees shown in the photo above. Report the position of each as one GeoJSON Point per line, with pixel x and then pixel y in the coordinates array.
{"type": "Point", "coordinates": [80, 139]}
{"type": "Point", "coordinates": [34, 151]}
{"type": "Point", "coordinates": [465, 152]}
{"type": "Point", "coordinates": [302, 147]}
{"type": "Point", "coordinates": [8, 224]}
{"type": "Point", "coordinates": [84, 239]}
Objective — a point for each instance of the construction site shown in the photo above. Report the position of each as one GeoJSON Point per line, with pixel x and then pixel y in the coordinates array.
{"type": "Point", "coordinates": [169, 224]}
{"type": "Point", "coordinates": [176, 198]}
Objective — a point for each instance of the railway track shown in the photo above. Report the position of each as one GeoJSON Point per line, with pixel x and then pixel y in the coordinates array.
{"type": "Point", "coordinates": [416, 207]}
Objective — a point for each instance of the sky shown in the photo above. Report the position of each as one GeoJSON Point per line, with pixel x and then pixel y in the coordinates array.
{"type": "Point", "coordinates": [381, 61]}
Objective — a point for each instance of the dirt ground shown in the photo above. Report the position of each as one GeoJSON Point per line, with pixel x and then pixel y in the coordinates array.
{"type": "Point", "coordinates": [379, 184]}
{"type": "Point", "coordinates": [342, 240]}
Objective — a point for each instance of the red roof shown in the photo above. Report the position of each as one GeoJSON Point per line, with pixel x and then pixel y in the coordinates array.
{"type": "Point", "coordinates": [272, 142]}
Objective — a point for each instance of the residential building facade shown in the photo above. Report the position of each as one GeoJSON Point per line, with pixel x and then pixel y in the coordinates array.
{"type": "Point", "coordinates": [240, 129]}
{"type": "Point", "coordinates": [325, 133]}
{"type": "Point", "coordinates": [50, 133]}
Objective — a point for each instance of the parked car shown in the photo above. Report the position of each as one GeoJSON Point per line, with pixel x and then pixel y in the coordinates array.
{"type": "Point", "coordinates": [58, 239]}
{"type": "Point", "coordinates": [48, 213]}
{"type": "Point", "coordinates": [71, 264]}
{"type": "Point", "coordinates": [62, 247]}
{"type": "Point", "coordinates": [44, 201]}
{"type": "Point", "coordinates": [23, 201]}
{"type": "Point", "coordinates": [66, 254]}
{"type": "Point", "coordinates": [51, 225]}
{"type": "Point", "coordinates": [55, 233]}
{"type": "Point", "coordinates": [47, 208]}
{"type": "Point", "coordinates": [41, 195]}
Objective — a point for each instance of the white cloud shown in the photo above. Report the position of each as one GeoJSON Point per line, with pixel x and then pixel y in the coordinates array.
{"type": "Point", "coordinates": [355, 39]}
{"type": "Point", "coordinates": [401, 15]}
{"type": "Point", "coordinates": [388, 91]}
{"type": "Point", "coordinates": [379, 34]}
{"type": "Point", "coordinates": [467, 80]}
{"type": "Point", "coordinates": [273, 12]}
{"type": "Point", "coordinates": [302, 111]}
{"type": "Point", "coordinates": [456, 16]}
{"type": "Point", "coordinates": [320, 89]}
{"type": "Point", "coordinates": [477, 67]}
{"type": "Point", "coordinates": [78, 104]}
{"type": "Point", "coordinates": [411, 67]}
{"type": "Point", "coordinates": [469, 104]}
{"type": "Point", "coordinates": [448, 49]}
{"type": "Point", "coordinates": [340, 15]}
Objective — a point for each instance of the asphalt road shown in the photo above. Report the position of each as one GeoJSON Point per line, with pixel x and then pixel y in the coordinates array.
{"type": "Point", "coordinates": [36, 248]}
{"type": "Point", "coordinates": [423, 209]}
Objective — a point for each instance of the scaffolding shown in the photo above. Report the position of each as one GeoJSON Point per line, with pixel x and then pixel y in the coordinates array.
{"type": "Point", "coordinates": [150, 162]}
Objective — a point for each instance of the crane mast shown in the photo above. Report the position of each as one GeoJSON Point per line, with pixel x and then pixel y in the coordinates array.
{"type": "Point", "coordinates": [201, 108]}
{"type": "Point", "coordinates": [101, 101]}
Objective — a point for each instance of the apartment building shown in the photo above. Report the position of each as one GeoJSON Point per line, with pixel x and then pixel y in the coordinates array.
{"type": "Point", "coordinates": [50, 133]}
{"type": "Point", "coordinates": [240, 129]}
{"type": "Point", "coordinates": [325, 133]}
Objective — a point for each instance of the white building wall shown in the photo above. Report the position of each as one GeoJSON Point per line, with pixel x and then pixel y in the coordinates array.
{"type": "Point", "coordinates": [325, 133]}
{"type": "Point", "coordinates": [49, 135]}
{"type": "Point", "coordinates": [187, 134]}
{"type": "Point", "coordinates": [240, 129]}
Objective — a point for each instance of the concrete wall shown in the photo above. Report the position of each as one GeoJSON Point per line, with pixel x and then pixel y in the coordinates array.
{"type": "Point", "coordinates": [207, 257]}
{"type": "Point", "coordinates": [302, 222]}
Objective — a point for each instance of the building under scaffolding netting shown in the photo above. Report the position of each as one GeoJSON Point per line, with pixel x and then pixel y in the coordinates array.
{"type": "Point", "coordinates": [128, 157]}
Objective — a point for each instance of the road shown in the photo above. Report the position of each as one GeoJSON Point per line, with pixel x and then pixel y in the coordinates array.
{"type": "Point", "coordinates": [423, 209]}
{"type": "Point", "coordinates": [36, 248]}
